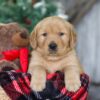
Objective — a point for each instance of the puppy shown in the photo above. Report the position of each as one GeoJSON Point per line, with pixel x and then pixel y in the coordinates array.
{"type": "Point", "coordinates": [53, 41]}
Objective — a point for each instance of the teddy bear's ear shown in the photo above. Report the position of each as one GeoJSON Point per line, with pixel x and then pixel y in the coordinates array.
{"type": "Point", "coordinates": [33, 39]}
{"type": "Point", "coordinates": [21, 39]}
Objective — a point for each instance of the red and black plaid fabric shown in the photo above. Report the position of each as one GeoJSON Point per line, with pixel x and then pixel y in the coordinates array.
{"type": "Point", "coordinates": [16, 85]}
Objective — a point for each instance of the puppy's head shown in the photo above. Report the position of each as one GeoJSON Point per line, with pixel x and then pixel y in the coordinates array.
{"type": "Point", "coordinates": [53, 36]}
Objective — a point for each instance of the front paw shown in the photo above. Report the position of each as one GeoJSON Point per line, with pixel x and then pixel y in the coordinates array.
{"type": "Point", "coordinates": [73, 84]}
{"type": "Point", "coordinates": [37, 85]}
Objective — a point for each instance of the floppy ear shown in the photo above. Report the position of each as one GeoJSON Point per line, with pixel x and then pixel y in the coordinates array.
{"type": "Point", "coordinates": [72, 41]}
{"type": "Point", "coordinates": [33, 39]}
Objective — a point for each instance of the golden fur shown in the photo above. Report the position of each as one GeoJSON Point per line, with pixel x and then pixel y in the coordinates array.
{"type": "Point", "coordinates": [64, 59]}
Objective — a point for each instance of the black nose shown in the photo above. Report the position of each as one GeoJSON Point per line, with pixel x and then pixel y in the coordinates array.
{"type": "Point", "coordinates": [52, 46]}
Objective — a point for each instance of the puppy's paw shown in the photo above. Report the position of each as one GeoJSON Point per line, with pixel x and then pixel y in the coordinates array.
{"type": "Point", "coordinates": [73, 84]}
{"type": "Point", "coordinates": [37, 85]}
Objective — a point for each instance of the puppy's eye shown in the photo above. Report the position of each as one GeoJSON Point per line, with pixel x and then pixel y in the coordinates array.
{"type": "Point", "coordinates": [61, 34]}
{"type": "Point", "coordinates": [44, 34]}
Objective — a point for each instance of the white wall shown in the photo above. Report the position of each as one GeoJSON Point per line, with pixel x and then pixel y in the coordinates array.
{"type": "Point", "coordinates": [88, 44]}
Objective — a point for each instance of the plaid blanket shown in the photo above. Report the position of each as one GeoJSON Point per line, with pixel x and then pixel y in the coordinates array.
{"type": "Point", "coordinates": [16, 85]}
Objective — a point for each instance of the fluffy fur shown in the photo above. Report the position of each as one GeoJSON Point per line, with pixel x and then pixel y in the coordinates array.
{"type": "Point", "coordinates": [61, 32]}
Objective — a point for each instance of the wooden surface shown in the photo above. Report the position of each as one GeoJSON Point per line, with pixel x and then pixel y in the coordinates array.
{"type": "Point", "coordinates": [88, 48]}
{"type": "Point", "coordinates": [76, 9]}
{"type": "Point", "coordinates": [89, 42]}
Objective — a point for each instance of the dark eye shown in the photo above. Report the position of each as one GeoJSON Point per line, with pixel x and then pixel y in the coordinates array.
{"type": "Point", "coordinates": [61, 34]}
{"type": "Point", "coordinates": [44, 34]}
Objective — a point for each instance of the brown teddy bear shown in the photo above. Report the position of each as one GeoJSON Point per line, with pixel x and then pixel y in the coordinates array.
{"type": "Point", "coordinates": [12, 36]}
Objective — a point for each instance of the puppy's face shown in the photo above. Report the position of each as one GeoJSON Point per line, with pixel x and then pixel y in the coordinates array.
{"type": "Point", "coordinates": [53, 37]}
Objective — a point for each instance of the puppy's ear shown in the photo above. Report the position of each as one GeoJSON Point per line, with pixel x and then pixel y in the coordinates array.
{"type": "Point", "coordinates": [72, 40]}
{"type": "Point", "coordinates": [33, 39]}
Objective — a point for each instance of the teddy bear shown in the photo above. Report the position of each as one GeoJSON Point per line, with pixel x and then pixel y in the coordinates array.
{"type": "Point", "coordinates": [12, 37]}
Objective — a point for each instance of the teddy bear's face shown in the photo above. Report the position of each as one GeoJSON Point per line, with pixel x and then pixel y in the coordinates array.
{"type": "Point", "coordinates": [12, 36]}
{"type": "Point", "coordinates": [7, 31]}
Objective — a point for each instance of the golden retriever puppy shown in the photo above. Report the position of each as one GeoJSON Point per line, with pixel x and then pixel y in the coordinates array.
{"type": "Point", "coordinates": [53, 41]}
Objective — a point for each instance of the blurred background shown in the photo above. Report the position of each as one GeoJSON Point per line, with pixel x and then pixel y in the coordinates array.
{"type": "Point", "coordinates": [84, 14]}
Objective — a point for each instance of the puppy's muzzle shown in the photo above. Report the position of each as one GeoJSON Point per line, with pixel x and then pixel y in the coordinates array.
{"type": "Point", "coordinates": [52, 47]}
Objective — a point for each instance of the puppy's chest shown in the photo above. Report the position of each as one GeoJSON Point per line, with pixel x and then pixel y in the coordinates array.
{"type": "Point", "coordinates": [54, 66]}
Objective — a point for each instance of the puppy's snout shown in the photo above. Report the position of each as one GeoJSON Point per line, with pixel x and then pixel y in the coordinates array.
{"type": "Point", "coordinates": [53, 46]}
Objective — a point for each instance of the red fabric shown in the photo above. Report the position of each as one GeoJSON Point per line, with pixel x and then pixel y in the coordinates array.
{"type": "Point", "coordinates": [24, 59]}
{"type": "Point", "coordinates": [11, 54]}
{"type": "Point", "coordinates": [78, 93]}
{"type": "Point", "coordinates": [22, 54]}
{"type": "Point", "coordinates": [75, 95]}
{"type": "Point", "coordinates": [55, 79]}
{"type": "Point", "coordinates": [17, 87]}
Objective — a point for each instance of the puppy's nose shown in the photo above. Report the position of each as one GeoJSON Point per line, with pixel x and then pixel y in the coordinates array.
{"type": "Point", "coordinates": [52, 46]}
